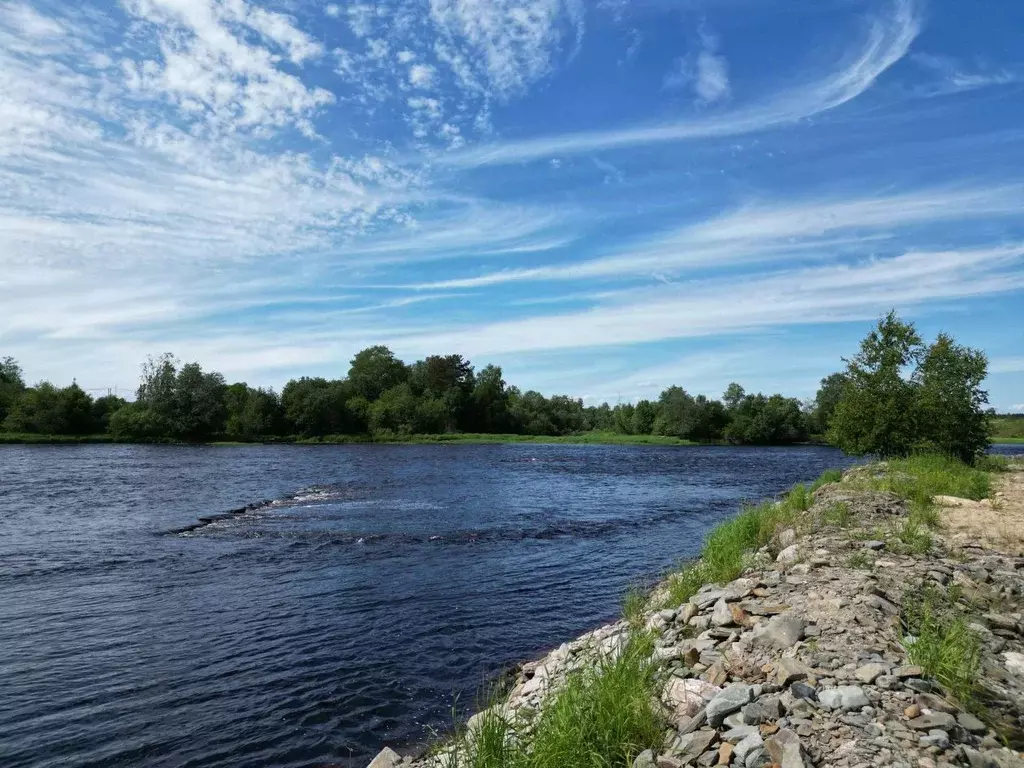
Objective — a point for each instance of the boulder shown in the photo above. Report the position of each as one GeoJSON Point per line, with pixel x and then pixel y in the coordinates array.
{"type": "Point", "coordinates": [845, 697]}
{"type": "Point", "coordinates": [727, 701]}
{"type": "Point", "coordinates": [386, 758]}
{"type": "Point", "coordinates": [782, 631]}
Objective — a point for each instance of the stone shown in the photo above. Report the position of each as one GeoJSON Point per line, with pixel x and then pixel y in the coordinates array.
{"type": "Point", "coordinates": [874, 544]}
{"type": "Point", "coordinates": [868, 673]}
{"type": "Point", "coordinates": [935, 738]}
{"type": "Point", "coordinates": [784, 748]}
{"type": "Point", "coordinates": [970, 723]}
{"type": "Point", "coordinates": [998, 621]}
{"type": "Point", "coordinates": [691, 746]}
{"type": "Point", "coordinates": [788, 670]}
{"type": "Point", "coordinates": [908, 671]}
{"type": "Point", "coordinates": [762, 710]}
{"type": "Point", "coordinates": [803, 691]}
{"type": "Point", "coordinates": [783, 631]}
{"type": "Point", "coordinates": [739, 733]}
{"type": "Point", "coordinates": [725, 754]}
{"type": "Point", "coordinates": [727, 701]}
{"type": "Point", "coordinates": [787, 538]}
{"type": "Point", "coordinates": [748, 745]}
{"type": "Point", "coordinates": [845, 697]}
{"type": "Point", "coordinates": [386, 758]}
{"type": "Point", "coordinates": [935, 703]}
{"type": "Point", "coordinates": [686, 612]}
{"type": "Point", "coordinates": [687, 697]}
{"type": "Point", "coordinates": [788, 555]}
{"type": "Point", "coordinates": [758, 758]}
{"type": "Point", "coordinates": [721, 616]}
{"type": "Point", "coordinates": [645, 760]}
{"type": "Point", "coordinates": [919, 685]}
{"type": "Point", "coordinates": [1014, 663]}
{"type": "Point", "coordinates": [739, 616]}
{"type": "Point", "coordinates": [716, 674]}
{"type": "Point", "coordinates": [912, 711]}
{"type": "Point", "coordinates": [667, 761]}
{"type": "Point", "coordinates": [934, 720]}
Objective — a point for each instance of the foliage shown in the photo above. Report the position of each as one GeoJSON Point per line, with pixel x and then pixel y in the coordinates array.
{"type": "Point", "coordinates": [825, 401]}
{"type": "Point", "coordinates": [760, 420]}
{"type": "Point", "coordinates": [12, 385]}
{"type": "Point", "coordinates": [923, 476]}
{"type": "Point", "coordinates": [941, 641]}
{"type": "Point", "coordinates": [937, 407]}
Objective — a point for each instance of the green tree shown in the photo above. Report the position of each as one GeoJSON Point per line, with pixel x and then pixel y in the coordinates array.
{"type": "Point", "coordinates": [12, 385]}
{"type": "Point", "coordinates": [374, 370]}
{"type": "Point", "coordinates": [396, 410]}
{"type": "Point", "coordinates": [103, 408]}
{"type": "Point", "coordinates": [951, 402]}
{"type": "Point", "coordinates": [644, 415]}
{"type": "Point", "coordinates": [76, 407]}
{"type": "Point", "coordinates": [137, 421]}
{"type": "Point", "coordinates": [251, 413]}
{"type": "Point", "coordinates": [47, 410]}
{"type": "Point", "coordinates": [188, 402]}
{"type": "Point", "coordinates": [733, 396]}
{"type": "Point", "coordinates": [490, 402]}
{"type": "Point", "coordinates": [767, 420]}
{"type": "Point", "coordinates": [826, 400]}
{"type": "Point", "coordinates": [314, 407]}
{"type": "Point", "coordinates": [877, 412]}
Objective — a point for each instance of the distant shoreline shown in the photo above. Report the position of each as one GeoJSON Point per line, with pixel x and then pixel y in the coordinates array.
{"type": "Point", "coordinates": [585, 438]}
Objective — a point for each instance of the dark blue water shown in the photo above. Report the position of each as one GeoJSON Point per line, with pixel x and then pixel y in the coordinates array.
{"type": "Point", "coordinates": [380, 583]}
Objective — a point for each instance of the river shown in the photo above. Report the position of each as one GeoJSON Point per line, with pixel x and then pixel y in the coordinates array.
{"type": "Point", "coordinates": [380, 584]}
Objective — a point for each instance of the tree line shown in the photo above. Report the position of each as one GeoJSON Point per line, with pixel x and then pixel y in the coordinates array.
{"type": "Point", "coordinates": [873, 406]}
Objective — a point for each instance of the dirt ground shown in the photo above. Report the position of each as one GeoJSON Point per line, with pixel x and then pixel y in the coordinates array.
{"type": "Point", "coordinates": [999, 521]}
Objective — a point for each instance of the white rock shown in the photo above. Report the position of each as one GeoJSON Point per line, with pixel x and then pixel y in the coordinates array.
{"type": "Point", "coordinates": [788, 555]}
{"type": "Point", "coordinates": [687, 697]}
{"type": "Point", "coordinates": [1014, 663]}
{"type": "Point", "coordinates": [386, 758]}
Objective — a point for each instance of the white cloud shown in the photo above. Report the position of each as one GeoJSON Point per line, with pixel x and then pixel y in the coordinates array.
{"type": "Point", "coordinates": [507, 44]}
{"type": "Point", "coordinates": [707, 72]}
{"type": "Point", "coordinates": [1006, 365]}
{"type": "Point", "coordinates": [887, 41]}
{"type": "Point", "coordinates": [404, 57]}
{"type": "Point", "coordinates": [954, 77]}
{"type": "Point", "coordinates": [421, 76]}
{"type": "Point", "coordinates": [333, 10]}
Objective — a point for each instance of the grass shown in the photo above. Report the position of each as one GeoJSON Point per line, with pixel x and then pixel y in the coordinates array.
{"type": "Point", "coordinates": [938, 639]}
{"type": "Point", "coordinates": [861, 560]}
{"type": "Point", "coordinates": [34, 439]}
{"type": "Point", "coordinates": [634, 604]}
{"type": "Point", "coordinates": [919, 478]}
{"type": "Point", "coordinates": [1009, 440]}
{"type": "Point", "coordinates": [603, 716]}
{"type": "Point", "coordinates": [828, 476]}
{"type": "Point", "coordinates": [838, 514]}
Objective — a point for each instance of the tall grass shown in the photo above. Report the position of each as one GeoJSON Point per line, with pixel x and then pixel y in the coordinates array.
{"type": "Point", "coordinates": [920, 478]}
{"type": "Point", "coordinates": [939, 640]}
{"type": "Point", "coordinates": [604, 716]}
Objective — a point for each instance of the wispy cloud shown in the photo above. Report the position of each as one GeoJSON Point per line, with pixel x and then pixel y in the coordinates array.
{"type": "Point", "coordinates": [955, 77]}
{"type": "Point", "coordinates": [707, 72]}
{"type": "Point", "coordinates": [887, 41]}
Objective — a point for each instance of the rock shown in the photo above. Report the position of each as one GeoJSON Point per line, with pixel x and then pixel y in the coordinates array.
{"type": "Point", "coordinates": [686, 612]}
{"type": "Point", "coordinates": [970, 723]}
{"type": "Point", "coordinates": [871, 672]}
{"type": "Point", "coordinates": [908, 671]}
{"type": "Point", "coordinates": [787, 538]}
{"type": "Point", "coordinates": [667, 761]}
{"type": "Point", "coordinates": [721, 616]}
{"type": "Point", "coordinates": [691, 746]}
{"type": "Point", "coordinates": [716, 674]}
{"type": "Point", "coordinates": [998, 621]}
{"type": "Point", "coordinates": [845, 697]}
{"type": "Point", "coordinates": [748, 745]}
{"type": "Point", "coordinates": [784, 748]}
{"type": "Point", "coordinates": [936, 738]}
{"type": "Point", "coordinates": [687, 697]}
{"type": "Point", "coordinates": [912, 711]}
{"type": "Point", "coordinates": [788, 671]}
{"type": "Point", "coordinates": [762, 710]}
{"type": "Point", "coordinates": [727, 701]}
{"type": "Point", "coordinates": [1014, 663]}
{"type": "Point", "coordinates": [725, 754]}
{"type": "Point", "coordinates": [739, 733]}
{"type": "Point", "coordinates": [645, 760]}
{"type": "Point", "coordinates": [789, 555]}
{"type": "Point", "coordinates": [739, 616]}
{"type": "Point", "coordinates": [757, 758]}
{"type": "Point", "coordinates": [934, 720]}
{"type": "Point", "coordinates": [783, 631]}
{"type": "Point", "coordinates": [919, 685]}
{"type": "Point", "coordinates": [386, 758]}
{"type": "Point", "coordinates": [874, 544]}
{"type": "Point", "coordinates": [936, 703]}
{"type": "Point", "coordinates": [804, 691]}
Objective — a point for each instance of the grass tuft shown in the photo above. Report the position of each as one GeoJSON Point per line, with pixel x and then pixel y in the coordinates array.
{"type": "Point", "coordinates": [939, 640]}
{"type": "Point", "coordinates": [837, 514]}
{"type": "Point", "coordinates": [828, 476]}
{"type": "Point", "coordinates": [634, 604]}
{"type": "Point", "coordinates": [920, 478]}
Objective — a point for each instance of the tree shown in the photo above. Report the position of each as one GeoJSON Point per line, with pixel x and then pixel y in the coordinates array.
{"type": "Point", "coordinates": [136, 421]}
{"type": "Point", "coordinates": [396, 410]}
{"type": "Point", "coordinates": [877, 412]}
{"type": "Point", "coordinates": [951, 402]}
{"type": "Point", "coordinates": [103, 408]}
{"type": "Point", "coordinates": [251, 413]}
{"type": "Point", "coordinates": [374, 370]}
{"type": "Point", "coordinates": [317, 407]}
{"type": "Point", "coordinates": [76, 411]}
{"type": "Point", "coordinates": [826, 400]}
{"type": "Point", "coordinates": [47, 410]}
{"type": "Point", "coordinates": [733, 396]}
{"type": "Point", "coordinates": [772, 420]}
{"type": "Point", "coordinates": [644, 415]}
{"type": "Point", "coordinates": [12, 385]}
{"type": "Point", "coordinates": [490, 402]}
{"type": "Point", "coordinates": [188, 402]}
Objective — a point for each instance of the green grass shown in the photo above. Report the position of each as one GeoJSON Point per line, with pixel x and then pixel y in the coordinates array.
{"type": "Point", "coordinates": [838, 514]}
{"type": "Point", "coordinates": [634, 603]}
{"type": "Point", "coordinates": [1009, 440]}
{"type": "Point", "coordinates": [603, 438]}
{"type": "Point", "coordinates": [828, 476]}
{"type": "Point", "coordinates": [1010, 427]}
{"type": "Point", "coordinates": [920, 478]}
{"type": "Point", "coordinates": [604, 716]}
{"type": "Point", "coordinates": [860, 559]}
{"type": "Point", "coordinates": [12, 438]}
{"type": "Point", "coordinates": [938, 639]}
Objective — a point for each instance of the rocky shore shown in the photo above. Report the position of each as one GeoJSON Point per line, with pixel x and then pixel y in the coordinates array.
{"type": "Point", "coordinates": [810, 658]}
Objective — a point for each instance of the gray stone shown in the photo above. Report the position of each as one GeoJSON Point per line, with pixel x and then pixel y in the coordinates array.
{"type": "Point", "coordinates": [783, 631]}
{"type": "Point", "coordinates": [873, 544]}
{"type": "Point", "coordinates": [871, 672]}
{"type": "Point", "coordinates": [803, 691]}
{"type": "Point", "coordinates": [789, 670]}
{"type": "Point", "coordinates": [645, 760]}
{"type": "Point", "coordinates": [845, 697]}
{"type": "Point", "coordinates": [784, 748]}
{"type": "Point", "coordinates": [787, 538]}
{"type": "Point", "coordinates": [936, 738]}
{"type": "Point", "coordinates": [935, 703]}
{"type": "Point", "coordinates": [748, 745]}
{"type": "Point", "coordinates": [762, 711]}
{"type": "Point", "coordinates": [739, 733]}
{"type": "Point", "coordinates": [908, 671]}
{"type": "Point", "coordinates": [1014, 663]}
{"type": "Point", "coordinates": [789, 555]}
{"type": "Point", "coordinates": [386, 758]}
{"type": "Point", "coordinates": [919, 685]}
{"type": "Point", "coordinates": [691, 746]}
{"type": "Point", "coordinates": [758, 758]}
{"type": "Point", "coordinates": [727, 701]}
{"type": "Point", "coordinates": [940, 720]}
{"type": "Point", "coordinates": [970, 723]}
{"type": "Point", "coordinates": [721, 616]}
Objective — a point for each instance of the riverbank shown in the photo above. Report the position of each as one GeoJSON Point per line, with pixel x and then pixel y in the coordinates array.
{"type": "Point", "coordinates": [874, 618]}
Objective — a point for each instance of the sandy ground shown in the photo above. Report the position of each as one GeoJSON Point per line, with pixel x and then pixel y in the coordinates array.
{"type": "Point", "coordinates": [998, 521]}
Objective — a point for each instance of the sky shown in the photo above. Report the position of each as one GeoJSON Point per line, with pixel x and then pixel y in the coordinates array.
{"type": "Point", "coordinates": [604, 197]}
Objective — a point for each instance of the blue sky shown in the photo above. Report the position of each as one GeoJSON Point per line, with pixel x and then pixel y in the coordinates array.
{"type": "Point", "coordinates": [603, 197]}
